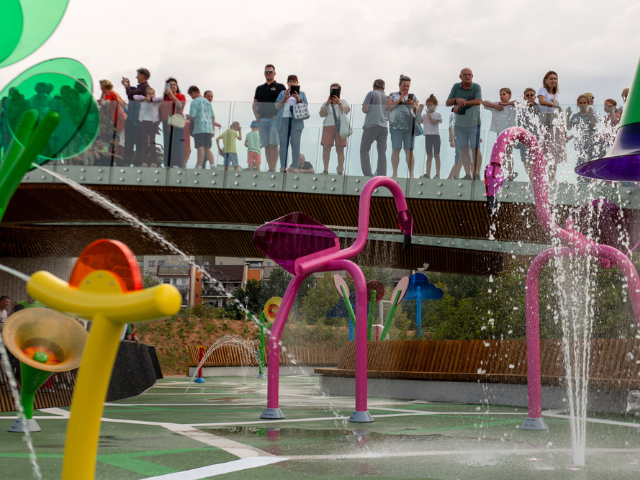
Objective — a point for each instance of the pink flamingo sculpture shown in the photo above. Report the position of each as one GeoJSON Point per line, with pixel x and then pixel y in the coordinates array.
{"type": "Point", "coordinates": [302, 246]}
{"type": "Point", "coordinates": [609, 222]}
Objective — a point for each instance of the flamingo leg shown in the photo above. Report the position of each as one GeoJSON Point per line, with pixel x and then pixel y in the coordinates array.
{"type": "Point", "coordinates": [577, 245]}
{"type": "Point", "coordinates": [273, 412]}
{"type": "Point", "coordinates": [605, 255]}
{"type": "Point", "coordinates": [616, 257]}
{"type": "Point", "coordinates": [361, 414]}
{"type": "Point", "coordinates": [534, 381]}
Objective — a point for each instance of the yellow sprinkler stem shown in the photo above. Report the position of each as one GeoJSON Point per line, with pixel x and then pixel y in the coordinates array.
{"type": "Point", "coordinates": [99, 298]}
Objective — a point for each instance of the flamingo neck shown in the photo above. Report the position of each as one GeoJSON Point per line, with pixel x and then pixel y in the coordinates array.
{"type": "Point", "coordinates": [363, 224]}
{"type": "Point", "coordinates": [540, 187]}
{"type": "Point", "coordinates": [365, 210]}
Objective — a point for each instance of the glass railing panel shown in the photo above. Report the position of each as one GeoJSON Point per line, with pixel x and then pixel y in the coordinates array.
{"type": "Point", "coordinates": [244, 113]}
{"type": "Point", "coordinates": [566, 136]}
{"type": "Point", "coordinates": [222, 112]}
{"type": "Point", "coordinates": [139, 142]}
{"type": "Point", "coordinates": [447, 156]}
{"type": "Point", "coordinates": [172, 145]}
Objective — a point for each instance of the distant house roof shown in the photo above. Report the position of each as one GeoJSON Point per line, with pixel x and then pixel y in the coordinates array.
{"type": "Point", "coordinates": [267, 271]}
{"type": "Point", "coordinates": [174, 271]}
{"type": "Point", "coordinates": [225, 273]}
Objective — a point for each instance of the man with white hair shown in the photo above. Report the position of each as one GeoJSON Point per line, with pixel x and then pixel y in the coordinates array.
{"type": "Point", "coordinates": [465, 98]}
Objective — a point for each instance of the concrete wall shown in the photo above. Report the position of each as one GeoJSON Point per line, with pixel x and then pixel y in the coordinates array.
{"type": "Point", "coordinates": [472, 393]}
{"type": "Point", "coordinates": [15, 288]}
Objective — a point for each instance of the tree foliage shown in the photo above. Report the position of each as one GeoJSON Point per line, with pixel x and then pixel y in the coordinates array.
{"type": "Point", "coordinates": [277, 285]}
{"type": "Point", "coordinates": [472, 307]}
{"type": "Point", "coordinates": [149, 280]}
{"type": "Point", "coordinates": [251, 296]}
{"type": "Point", "coordinates": [320, 299]}
{"type": "Point", "coordinates": [495, 308]}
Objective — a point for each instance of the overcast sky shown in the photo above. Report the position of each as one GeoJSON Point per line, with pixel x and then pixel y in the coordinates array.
{"type": "Point", "coordinates": [223, 46]}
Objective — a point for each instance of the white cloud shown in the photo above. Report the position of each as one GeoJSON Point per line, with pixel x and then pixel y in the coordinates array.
{"type": "Point", "coordinates": [223, 46]}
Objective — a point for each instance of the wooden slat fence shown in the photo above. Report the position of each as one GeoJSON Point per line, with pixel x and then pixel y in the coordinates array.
{"type": "Point", "coordinates": [234, 356]}
{"type": "Point", "coordinates": [614, 364]}
{"type": "Point", "coordinates": [56, 392]}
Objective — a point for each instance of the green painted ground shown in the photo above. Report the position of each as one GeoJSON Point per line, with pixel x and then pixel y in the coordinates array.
{"type": "Point", "coordinates": [140, 438]}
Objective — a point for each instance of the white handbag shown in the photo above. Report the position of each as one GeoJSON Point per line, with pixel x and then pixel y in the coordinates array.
{"type": "Point", "coordinates": [176, 121]}
{"type": "Point", "coordinates": [345, 126]}
{"type": "Point", "coordinates": [301, 111]}
{"type": "Point", "coordinates": [344, 129]}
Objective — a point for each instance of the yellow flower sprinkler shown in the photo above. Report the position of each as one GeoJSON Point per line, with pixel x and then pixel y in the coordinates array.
{"type": "Point", "coordinates": [106, 288]}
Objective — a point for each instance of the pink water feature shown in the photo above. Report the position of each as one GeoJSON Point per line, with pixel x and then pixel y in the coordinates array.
{"type": "Point", "coordinates": [302, 246]}
{"type": "Point", "coordinates": [600, 214]}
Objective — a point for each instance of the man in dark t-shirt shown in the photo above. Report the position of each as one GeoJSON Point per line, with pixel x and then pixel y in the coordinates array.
{"type": "Point", "coordinates": [265, 112]}
{"type": "Point", "coordinates": [132, 132]}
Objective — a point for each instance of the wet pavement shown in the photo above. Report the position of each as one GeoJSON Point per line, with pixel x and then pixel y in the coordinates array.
{"type": "Point", "coordinates": [215, 430]}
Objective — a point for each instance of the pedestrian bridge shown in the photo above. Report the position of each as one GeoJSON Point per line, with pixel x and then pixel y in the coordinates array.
{"type": "Point", "coordinates": [214, 212]}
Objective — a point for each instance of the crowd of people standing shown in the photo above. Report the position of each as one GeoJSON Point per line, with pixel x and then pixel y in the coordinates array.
{"type": "Point", "coordinates": [128, 126]}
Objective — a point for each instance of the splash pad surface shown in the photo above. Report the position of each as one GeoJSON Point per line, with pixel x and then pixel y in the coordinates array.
{"type": "Point", "coordinates": [215, 429]}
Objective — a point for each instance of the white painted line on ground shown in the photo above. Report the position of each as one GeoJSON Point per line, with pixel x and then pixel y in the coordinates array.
{"type": "Point", "coordinates": [194, 386]}
{"type": "Point", "coordinates": [262, 422]}
{"type": "Point", "coordinates": [138, 422]}
{"type": "Point", "coordinates": [220, 468]}
{"type": "Point", "coordinates": [56, 411]}
{"type": "Point", "coordinates": [35, 417]}
{"type": "Point", "coordinates": [322, 407]}
{"type": "Point", "coordinates": [261, 405]}
{"type": "Point", "coordinates": [556, 414]}
{"type": "Point", "coordinates": [320, 419]}
{"type": "Point", "coordinates": [182, 394]}
{"type": "Point", "coordinates": [429, 412]}
{"type": "Point", "coordinates": [235, 448]}
{"type": "Point", "coordinates": [435, 453]}
{"type": "Point", "coordinates": [290, 420]}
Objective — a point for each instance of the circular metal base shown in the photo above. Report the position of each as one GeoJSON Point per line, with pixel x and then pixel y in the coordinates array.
{"type": "Point", "coordinates": [534, 424]}
{"type": "Point", "coordinates": [18, 426]}
{"type": "Point", "coordinates": [261, 375]}
{"type": "Point", "coordinates": [361, 417]}
{"type": "Point", "coordinates": [199, 380]}
{"type": "Point", "coordinates": [272, 414]}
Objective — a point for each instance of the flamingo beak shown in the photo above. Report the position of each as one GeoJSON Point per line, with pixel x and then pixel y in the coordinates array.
{"type": "Point", "coordinates": [493, 181]}
{"type": "Point", "coordinates": [405, 222]}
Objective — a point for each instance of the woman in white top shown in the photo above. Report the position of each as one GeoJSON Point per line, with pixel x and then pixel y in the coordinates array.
{"type": "Point", "coordinates": [432, 121]}
{"type": "Point", "coordinates": [554, 139]}
{"type": "Point", "coordinates": [330, 111]}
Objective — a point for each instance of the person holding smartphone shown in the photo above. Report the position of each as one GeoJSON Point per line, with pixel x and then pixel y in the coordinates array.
{"type": "Point", "coordinates": [173, 103]}
{"type": "Point", "coordinates": [289, 128]}
{"type": "Point", "coordinates": [402, 107]}
{"type": "Point", "coordinates": [330, 111]}
{"type": "Point", "coordinates": [133, 126]}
